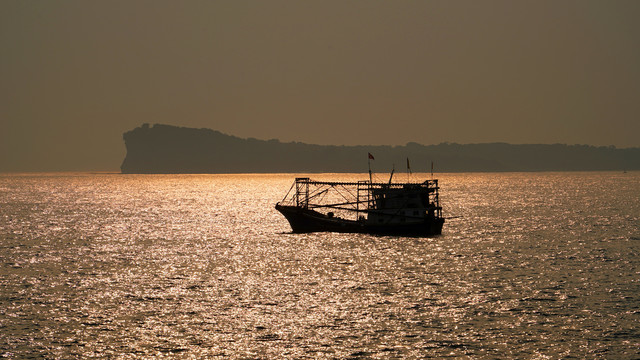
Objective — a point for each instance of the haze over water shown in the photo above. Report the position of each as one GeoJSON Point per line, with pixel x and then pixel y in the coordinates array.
{"type": "Point", "coordinates": [536, 265]}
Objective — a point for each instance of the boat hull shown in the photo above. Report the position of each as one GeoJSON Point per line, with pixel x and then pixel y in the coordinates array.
{"type": "Point", "coordinates": [306, 220]}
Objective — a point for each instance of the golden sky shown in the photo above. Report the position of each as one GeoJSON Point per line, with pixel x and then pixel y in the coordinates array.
{"type": "Point", "coordinates": [75, 75]}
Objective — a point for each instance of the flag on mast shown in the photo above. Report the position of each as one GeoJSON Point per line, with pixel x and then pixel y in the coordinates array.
{"type": "Point", "coordinates": [371, 157]}
{"type": "Point", "coordinates": [408, 166]}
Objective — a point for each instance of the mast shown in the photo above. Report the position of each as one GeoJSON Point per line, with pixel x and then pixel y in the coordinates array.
{"type": "Point", "coordinates": [370, 157]}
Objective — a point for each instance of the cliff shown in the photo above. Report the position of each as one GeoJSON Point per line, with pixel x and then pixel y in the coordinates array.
{"type": "Point", "coordinates": [165, 149]}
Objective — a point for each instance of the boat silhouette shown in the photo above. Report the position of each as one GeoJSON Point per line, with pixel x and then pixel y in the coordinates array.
{"type": "Point", "coordinates": [411, 209]}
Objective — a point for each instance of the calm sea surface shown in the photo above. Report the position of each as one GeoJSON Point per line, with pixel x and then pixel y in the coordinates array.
{"type": "Point", "coordinates": [537, 265]}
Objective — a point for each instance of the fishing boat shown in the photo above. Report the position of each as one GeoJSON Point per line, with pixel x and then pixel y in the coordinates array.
{"type": "Point", "coordinates": [384, 208]}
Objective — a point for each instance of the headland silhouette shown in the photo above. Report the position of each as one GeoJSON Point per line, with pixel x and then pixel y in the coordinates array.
{"type": "Point", "coordinates": [167, 149]}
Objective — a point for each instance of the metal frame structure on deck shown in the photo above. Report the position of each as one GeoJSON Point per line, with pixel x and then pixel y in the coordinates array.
{"type": "Point", "coordinates": [349, 197]}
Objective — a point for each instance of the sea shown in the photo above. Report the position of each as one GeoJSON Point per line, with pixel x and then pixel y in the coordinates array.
{"type": "Point", "coordinates": [112, 266]}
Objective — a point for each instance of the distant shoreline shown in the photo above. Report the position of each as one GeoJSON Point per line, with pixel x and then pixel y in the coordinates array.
{"type": "Point", "coordinates": [166, 149]}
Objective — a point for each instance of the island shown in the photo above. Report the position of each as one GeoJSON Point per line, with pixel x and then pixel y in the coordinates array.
{"type": "Point", "coordinates": [167, 149]}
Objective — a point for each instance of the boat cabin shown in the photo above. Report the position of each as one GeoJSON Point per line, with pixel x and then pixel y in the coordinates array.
{"type": "Point", "coordinates": [407, 204]}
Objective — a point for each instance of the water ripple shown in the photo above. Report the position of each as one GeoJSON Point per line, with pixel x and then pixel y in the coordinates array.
{"type": "Point", "coordinates": [539, 265]}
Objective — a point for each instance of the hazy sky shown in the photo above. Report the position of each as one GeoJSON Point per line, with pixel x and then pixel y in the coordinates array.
{"type": "Point", "coordinates": [75, 75]}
